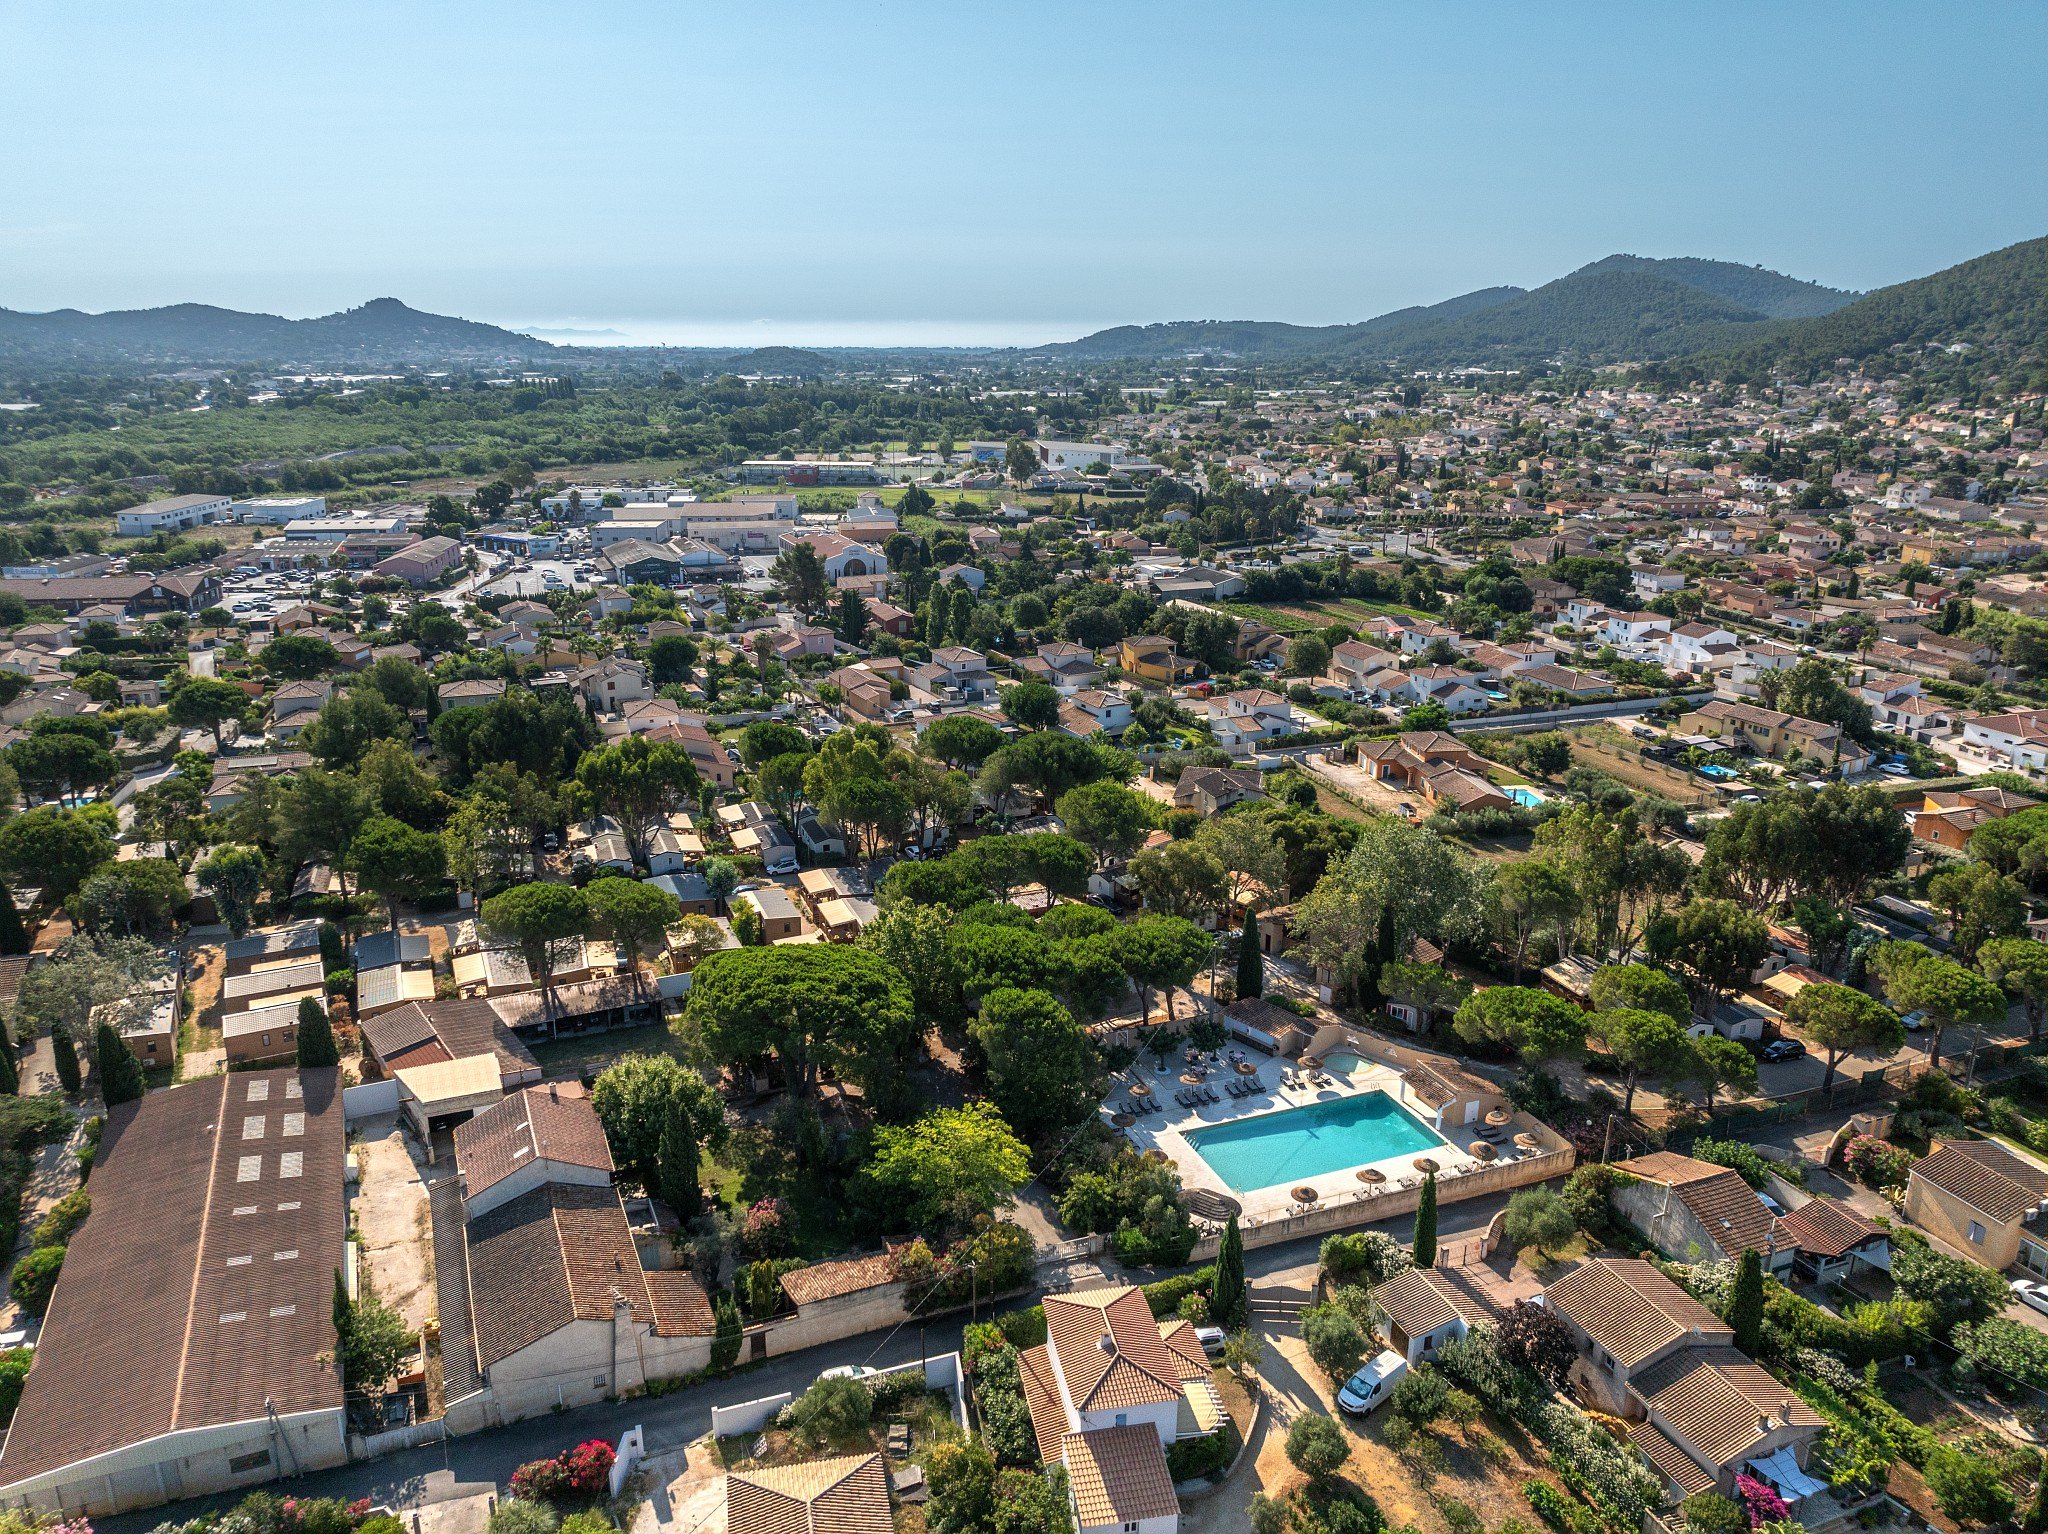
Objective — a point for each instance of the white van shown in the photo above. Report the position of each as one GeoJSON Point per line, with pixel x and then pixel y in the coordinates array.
{"type": "Point", "coordinates": [1372, 1384]}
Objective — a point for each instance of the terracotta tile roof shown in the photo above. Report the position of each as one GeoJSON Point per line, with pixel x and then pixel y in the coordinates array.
{"type": "Point", "coordinates": [1987, 1177]}
{"type": "Point", "coordinates": [1042, 1397]}
{"type": "Point", "coordinates": [681, 1307]}
{"type": "Point", "coordinates": [1719, 1199]}
{"type": "Point", "coordinates": [845, 1495]}
{"type": "Point", "coordinates": [1718, 1404]}
{"type": "Point", "coordinates": [1108, 1350]}
{"type": "Point", "coordinates": [830, 1280]}
{"type": "Point", "coordinates": [1676, 1466]}
{"type": "Point", "coordinates": [1827, 1227]}
{"type": "Point", "coordinates": [563, 1253]}
{"type": "Point", "coordinates": [552, 1122]}
{"type": "Point", "coordinates": [201, 1287]}
{"type": "Point", "coordinates": [1118, 1475]}
{"type": "Point", "coordinates": [1630, 1309]}
{"type": "Point", "coordinates": [1184, 1348]}
{"type": "Point", "coordinates": [1420, 1301]}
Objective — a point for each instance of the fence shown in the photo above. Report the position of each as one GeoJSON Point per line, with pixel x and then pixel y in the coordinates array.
{"type": "Point", "coordinates": [748, 1416]}
{"type": "Point", "coordinates": [368, 1099]}
{"type": "Point", "coordinates": [1881, 1085]}
{"type": "Point", "coordinates": [392, 1440]}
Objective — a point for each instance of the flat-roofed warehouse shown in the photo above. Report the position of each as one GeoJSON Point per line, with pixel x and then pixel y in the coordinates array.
{"type": "Point", "coordinates": [189, 1347]}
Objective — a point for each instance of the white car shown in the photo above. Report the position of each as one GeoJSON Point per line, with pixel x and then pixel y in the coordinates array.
{"type": "Point", "coordinates": [848, 1372]}
{"type": "Point", "coordinates": [1213, 1339]}
{"type": "Point", "coordinates": [2031, 1293]}
{"type": "Point", "coordinates": [1372, 1384]}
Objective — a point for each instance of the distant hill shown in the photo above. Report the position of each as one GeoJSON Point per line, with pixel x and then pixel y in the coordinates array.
{"type": "Point", "coordinates": [383, 331]}
{"type": "Point", "coordinates": [1622, 308]}
{"type": "Point", "coordinates": [779, 362]}
{"type": "Point", "coordinates": [1750, 287]}
{"type": "Point", "coordinates": [1995, 304]}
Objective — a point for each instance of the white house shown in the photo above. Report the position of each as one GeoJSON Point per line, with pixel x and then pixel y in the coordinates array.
{"type": "Point", "coordinates": [2019, 739]}
{"type": "Point", "coordinates": [174, 514]}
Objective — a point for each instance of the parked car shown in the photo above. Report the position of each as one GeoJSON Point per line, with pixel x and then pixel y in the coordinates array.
{"type": "Point", "coordinates": [1372, 1384]}
{"type": "Point", "coordinates": [848, 1372]}
{"type": "Point", "coordinates": [2031, 1293]}
{"type": "Point", "coordinates": [1212, 1339]}
{"type": "Point", "coordinates": [1783, 1049]}
{"type": "Point", "coordinates": [1914, 1021]}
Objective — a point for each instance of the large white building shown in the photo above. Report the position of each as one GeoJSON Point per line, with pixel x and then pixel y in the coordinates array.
{"type": "Point", "coordinates": [277, 510]}
{"type": "Point", "coordinates": [174, 514]}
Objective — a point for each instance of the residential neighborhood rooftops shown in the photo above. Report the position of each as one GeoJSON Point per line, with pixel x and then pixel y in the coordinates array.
{"type": "Point", "coordinates": [550, 1122]}
{"type": "Point", "coordinates": [1118, 1476]}
{"type": "Point", "coordinates": [1987, 1177]}
{"type": "Point", "coordinates": [1630, 1309]}
{"type": "Point", "coordinates": [1109, 1350]}
{"type": "Point", "coordinates": [847, 1494]}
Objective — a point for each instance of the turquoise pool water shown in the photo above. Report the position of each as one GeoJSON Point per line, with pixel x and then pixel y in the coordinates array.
{"type": "Point", "coordinates": [1301, 1144]}
{"type": "Point", "coordinates": [1528, 799]}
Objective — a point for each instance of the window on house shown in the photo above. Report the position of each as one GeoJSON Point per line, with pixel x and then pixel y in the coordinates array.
{"type": "Point", "coordinates": [1976, 1233]}
{"type": "Point", "coordinates": [239, 1464]}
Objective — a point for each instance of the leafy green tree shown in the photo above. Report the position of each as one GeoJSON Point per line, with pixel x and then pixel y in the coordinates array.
{"type": "Point", "coordinates": [64, 1055]}
{"type": "Point", "coordinates": [1106, 818]}
{"type": "Point", "coordinates": [766, 739]}
{"type": "Point", "coordinates": [637, 1095]}
{"type": "Point", "coordinates": [1720, 944]}
{"type": "Point", "coordinates": [809, 1005]}
{"type": "Point", "coordinates": [1537, 1217]}
{"type": "Point", "coordinates": [1179, 879]}
{"type": "Point", "coordinates": [670, 659]}
{"type": "Point", "coordinates": [1918, 981]}
{"type": "Point", "coordinates": [1308, 655]}
{"type": "Point", "coordinates": [10, 1071]}
{"type": "Point", "coordinates": [799, 577]}
{"type": "Point", "coordinates": [56, 850]}
{"type": "Point", "coordinates": [1838, 1019]}
{"type": "Point", "coordinates": [537, 917]}
{"type": "Point", "coordinates": [1399, 883]}
{"type": "Point", "coordinates": [2018, 963]}
{"type": "Point", "coordinates": [234, 876]}
{"type": "Point", "coordinates": [915, 940]}
{"type": "Point", "coordinates": [320, 816]}
{"type": "Point", "coordinates": [299, 657]}
{"type": "Point", "coordinates": [950, 1167]}
{"type": "Point", "coordinates": [1526, 896]}
{"type": "Point", "coordinates": [349, 723]}
{"type": "Point", "coordinates": [1535, 1025]}
{"type": "Point", "coordinates": [1424, 1244]}
{"type": "Point", "coordinates": [61, 764]}
{"type": "Point", "coordinates": [371, 1339]}
{"type": "Point", "coordinates": [120, 1073]}
{"type": "Point", "coordinates": [1957, 1292]}
{"type": "Point", "coordinates": [1317, 1447]}
{"type": "Point", "coordinates": [1020, 460]}
{"type": "Point", "coordinates": [13, 935]}
{"type": "Point", "coordinates": [35, 1279]}
{"type": "Point", "coordinates": [1335, 1340]}
{"type": "Point", "coordinates": [1637, 985]}
{"type": "Point", "coordinates": [396, 863]}
{"type": "Point", "coordinates": [633, 915]}
{"type": "Point", "coordinates": [1981, 904]}
{"type": "Point", "coordinates": [1746, 1304]}
{"type": "Point", "coordinates": [728, 1336]}
{"type": "Point", "coordinates": [130, 897]}
{"type": "Point", "coordinates": [721, 878]}
{"type": "Point", "coordinates": [1042, 1069]}
{"type": "Point", "coordinates": [1641, 1041]}
{"type": "Point", "coordinates": [638, 782]}
{"type": "Point", "coordinates": [1161, 953]}
{"type": "Point", "coordinates": [1717, 1064]}
{"type": "Point", "coordinates": [1031, 705]}
{"type": "Point", "coordinates": [961, 740]}
{"type": "Point", "coordinates": [204, 703]}
{"type": "Point", "coordinates": [853, 616]}
{"type": "Point", "coordinates": [1229, 1300]}
{"type": "Point", "coordinates": [316, 1045]}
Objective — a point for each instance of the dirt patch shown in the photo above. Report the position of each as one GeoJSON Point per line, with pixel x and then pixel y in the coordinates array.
{"type": "Point", "coordinates": [392, 1218]}
{"type": "Point", "coordinates": [1597, 751]}
{"type": "Point", "coordinates": [206, 969]}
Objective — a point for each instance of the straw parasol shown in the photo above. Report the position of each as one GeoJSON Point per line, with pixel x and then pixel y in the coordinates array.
{"type": "Point", "coordinates": [1370, 1174]}
{"type": "Point", "coordinates": [1140, 1089]}
{"type": "Point", "coordinates": [1311, 1061]}
{"type": "Point", "coordinates": [1303, 1195]}
{"type": "Point", "coordinates": [1156, 1155]}
{"type": "Point", "coordinates": [1424, 1164]}
{"type": "Point", "coordinates": [1528, 1141]}
{"type": "Point", "coordinates": [1190, 1078]}
{"type": "Point", "coordinates": [1246, 1068]}
{"type": "Point", "coordinates": [1484, 1150]}
{"type": "Point", "coordinates": [1122, 1120]}
{"type": "Point", "coordinates": [1499, 1116]}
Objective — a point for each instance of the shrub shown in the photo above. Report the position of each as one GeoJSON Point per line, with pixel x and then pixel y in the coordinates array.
{"type": "Point", "coordinates": [1421, 1395]}
{"type": "Point", "coordinates": [1335, 1340]}
{"type": "Point", "coordinates": [35, 1278]}
{"type": "Point", "coordinates": [589, 1467]}
{"type": "Point", "coordinates": [540, 1480]}
{"type": "Point", "coordinates": [514, 1516]}
{"type": "Point", "coordinates": [1192, 1458]}
{"type": "Point", "coordinates": [1708, 1512]}
{"type": "Point", "coordinates": [63, 1219]}
{"type": "Point", "coordinates": [1535, 1338]}
{"type": "Point", "coordinates": [1763, 1504]}
{"type": "Point", "coordinates": [1967, 1486]}
{"type": "Point", "coordinates": [1737, 1155]}
{"type": "Point", "coordinates": [1317, 1447]}
{"type": "Point", "coordinates": [13, 1371]}
{"type": "Point", "coordinates": [1368, 1257]}
{"type": "Point", "coordinates": [832, 1411]}
{"type": "Point", "coordinates": [1878, 1163]}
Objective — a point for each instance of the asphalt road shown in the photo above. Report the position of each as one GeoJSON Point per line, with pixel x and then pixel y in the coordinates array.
{"type": "Point", "coordinates": [484, 1462]}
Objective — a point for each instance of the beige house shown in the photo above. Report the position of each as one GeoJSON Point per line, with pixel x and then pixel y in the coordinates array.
{"type": "Point", "coordinates": [1704, 1412]}
{"type": "Point", "coordinates": [1980, 1198]}
{"type": "Point", "coordinates": [848, 1494]}
{"type": "Point", "coordinates": [1424, 1308]}
{"type": "Point", "coordinates": [1695, 1211]}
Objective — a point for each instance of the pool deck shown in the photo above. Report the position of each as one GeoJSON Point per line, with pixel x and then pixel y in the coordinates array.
{"type": "Point", "coordinates": [1167, 1129]}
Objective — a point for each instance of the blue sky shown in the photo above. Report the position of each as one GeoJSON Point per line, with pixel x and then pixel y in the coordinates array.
{"type": "Point", "coordinates": [927, 172]}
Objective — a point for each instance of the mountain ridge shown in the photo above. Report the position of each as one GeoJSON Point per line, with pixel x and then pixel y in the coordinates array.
{"type": "Point", "coordinates": [382, 330]}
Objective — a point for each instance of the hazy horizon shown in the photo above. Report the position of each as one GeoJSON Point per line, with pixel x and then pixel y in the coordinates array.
{"type": "Point", "coordinates": [804, 171]}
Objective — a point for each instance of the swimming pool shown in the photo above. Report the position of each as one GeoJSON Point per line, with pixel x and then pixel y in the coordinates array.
{"type": "Point", "coordinates": [1527, 798]}
{"type": "Point", "coordinates": [1308, 1142]}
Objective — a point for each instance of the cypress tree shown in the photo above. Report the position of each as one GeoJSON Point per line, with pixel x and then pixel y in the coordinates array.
{"type": "Point", "coordinates": [1251, 964]}
{"type": "Point", "coordinates": [677, 1168]}
{"type": "Point", "coordinates": [66, 1056]}
{"type": "Point", "coordinates": [1425, 1223]}
{"type": "Point", "coordinates": [10, 1072]}
{"type": "Point", "coordinates": [1746, 1305]}
{"type": "Point", "coordinates": [316, 1036]}
{"type": "Point", "coordinates": [725, 1341]}
{"type": "Point", "coordinates": [13, 935]}
{"type": "Point", "coordinates": [120, 1072]}
{"type": "Point", "coordinates": [1228, 1302]}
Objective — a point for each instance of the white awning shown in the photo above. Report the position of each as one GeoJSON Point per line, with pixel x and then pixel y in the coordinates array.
{"type": "Point", "coordinates": [1782, 1471]}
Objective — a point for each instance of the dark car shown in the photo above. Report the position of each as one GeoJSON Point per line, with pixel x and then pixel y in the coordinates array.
{"type": "Point", "coordinates": [1779, 1050]}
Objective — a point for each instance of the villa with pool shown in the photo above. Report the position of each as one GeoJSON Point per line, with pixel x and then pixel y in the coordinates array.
{"type": "Point", "coordinates": [1353, 1125]}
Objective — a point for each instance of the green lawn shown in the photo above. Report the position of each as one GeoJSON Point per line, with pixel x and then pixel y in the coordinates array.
{"type": "Point", "coordinates": [600, 1049]}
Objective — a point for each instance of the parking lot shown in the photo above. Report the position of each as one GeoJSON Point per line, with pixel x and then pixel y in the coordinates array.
{"type": "Point", "coordinates": [542, 576]}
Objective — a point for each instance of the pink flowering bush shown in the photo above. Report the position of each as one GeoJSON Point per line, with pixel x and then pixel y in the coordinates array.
{"type": "Point", "coordinates": [579, 1474]}
{"type": "Point", "coordinates": [765, 1231]}
{"type": "Point", "coordinates": [1877, 1163]}
{"type": "Point", "coordinates": [1764, 1504]}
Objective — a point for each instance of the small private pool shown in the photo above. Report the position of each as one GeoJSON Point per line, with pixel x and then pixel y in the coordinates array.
{"type": "Point", "coordinates": [1527, 798]}
{"type": "Point", "coordinates": [1719, 773]}
{"type": "Point", "coordinates": [1301, 1143]}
